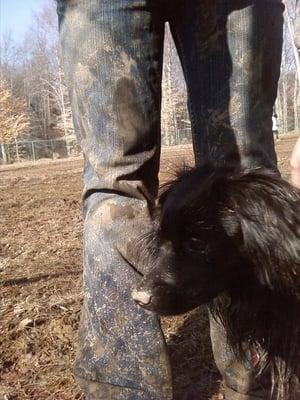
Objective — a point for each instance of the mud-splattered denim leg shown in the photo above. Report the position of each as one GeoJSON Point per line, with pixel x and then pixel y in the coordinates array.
{"type": "Point", "coordinates": [231, 53]}
{"type": "Point", "coordinates": [112, 54]}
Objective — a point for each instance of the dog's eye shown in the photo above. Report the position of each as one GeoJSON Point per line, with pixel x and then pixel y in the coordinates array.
{"type": "Point", "coordinates": [196, 245]}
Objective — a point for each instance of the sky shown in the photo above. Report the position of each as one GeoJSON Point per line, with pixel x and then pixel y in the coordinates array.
{"type": "Point", "coordinates": [16, 16]}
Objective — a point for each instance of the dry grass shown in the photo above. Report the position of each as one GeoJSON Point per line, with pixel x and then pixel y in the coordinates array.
{"type": "Point", "coordinates": [40, 273]}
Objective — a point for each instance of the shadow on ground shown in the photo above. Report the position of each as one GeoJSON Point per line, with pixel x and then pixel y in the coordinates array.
{"type": "Point", "coordinates": [195, 374]}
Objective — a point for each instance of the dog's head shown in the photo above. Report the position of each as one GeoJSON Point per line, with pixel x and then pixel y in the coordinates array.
{"type": "Point", "coordinates": [219, 229]}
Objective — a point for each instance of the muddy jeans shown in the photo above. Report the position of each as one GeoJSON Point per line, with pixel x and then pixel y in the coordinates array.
{"type": "Point", "coordinates": [112, 54]}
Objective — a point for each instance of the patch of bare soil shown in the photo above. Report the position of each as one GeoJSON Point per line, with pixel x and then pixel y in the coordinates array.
{"type": "Point", "coordinates": [41, 286]}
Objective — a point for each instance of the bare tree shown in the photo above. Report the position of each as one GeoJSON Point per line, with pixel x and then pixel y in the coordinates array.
{"type": "Point", "coordinates": [14, 120]}
{"type": "Point", "coordinates": [174, 109]}
{"type": "Point", "coordinates": [288, 88]}
{"type": "Point", "coordinates": [44, 87]}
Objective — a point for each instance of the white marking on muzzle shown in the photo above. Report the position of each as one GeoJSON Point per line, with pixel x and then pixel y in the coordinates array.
{"type": "Point", "coordinates": [142, 297]}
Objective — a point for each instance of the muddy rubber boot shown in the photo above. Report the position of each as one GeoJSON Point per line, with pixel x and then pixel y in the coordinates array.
{"type": "Point", "coordinates": [240, 378]}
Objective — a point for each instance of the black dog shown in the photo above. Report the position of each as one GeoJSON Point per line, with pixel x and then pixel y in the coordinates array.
{"type": "Point", "coordinates": [231, 239]}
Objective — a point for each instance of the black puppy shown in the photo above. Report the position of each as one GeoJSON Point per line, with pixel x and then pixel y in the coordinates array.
{"type": "Point", "coordinates": [231, 239]}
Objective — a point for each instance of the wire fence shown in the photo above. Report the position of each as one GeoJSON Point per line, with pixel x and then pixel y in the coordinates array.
{"type": "Point", "coordinates": [34, 150]}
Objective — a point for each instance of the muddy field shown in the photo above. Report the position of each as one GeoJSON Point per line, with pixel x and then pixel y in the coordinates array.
{"type": "Point", "coordinates": [41, 294]}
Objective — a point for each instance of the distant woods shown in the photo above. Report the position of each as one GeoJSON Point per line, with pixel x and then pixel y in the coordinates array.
{"type": "Point", "coordinates": [34, 102]}
{"type": "Point", "coordinates": [32, 84]}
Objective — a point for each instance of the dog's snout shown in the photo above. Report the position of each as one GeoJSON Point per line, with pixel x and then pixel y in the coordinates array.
{"type": "Point", "coordinates": [142, 296]}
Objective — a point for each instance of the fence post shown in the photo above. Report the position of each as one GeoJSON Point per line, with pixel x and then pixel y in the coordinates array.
{"type": "Point", "coordinates": [52, 147]}
{"type": "Point", "coordinates": [177, 135]}
{"type": "Point", "coordinates": [68, 148]}
{"type": "Point", "coordinates": [33, 151]}
{"type": "Point", "coordinates": [4, 157]}
{"type": "Point", "coordinates": [17, 151]}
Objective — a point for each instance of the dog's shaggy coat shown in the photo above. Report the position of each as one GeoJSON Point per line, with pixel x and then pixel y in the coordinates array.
{"type": "Point", "coordinates": [230, 239]}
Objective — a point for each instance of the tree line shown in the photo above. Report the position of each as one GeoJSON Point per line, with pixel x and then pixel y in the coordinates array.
{"type": "Point", "coordinates": [34, 102]}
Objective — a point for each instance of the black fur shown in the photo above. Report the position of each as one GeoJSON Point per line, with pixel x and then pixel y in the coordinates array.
{"type": "Point", "coordinates": [231, 239]}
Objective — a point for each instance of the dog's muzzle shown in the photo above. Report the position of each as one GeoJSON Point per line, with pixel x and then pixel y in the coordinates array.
{"type": "Point", "coordinates": [142, 297]}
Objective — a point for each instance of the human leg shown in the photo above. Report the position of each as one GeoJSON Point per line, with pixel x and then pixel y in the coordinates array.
{"type": "Point", "coordinates": [230, 53]}
{"type": "Point", "coordinates": [112, 54]}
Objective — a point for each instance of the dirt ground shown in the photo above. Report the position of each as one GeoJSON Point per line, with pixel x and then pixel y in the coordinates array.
{"type": "Point", "coordinates": [41, 286]}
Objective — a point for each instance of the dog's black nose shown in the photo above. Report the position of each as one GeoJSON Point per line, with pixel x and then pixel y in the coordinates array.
{"type": "Point", "coordinates": [142, 297]}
